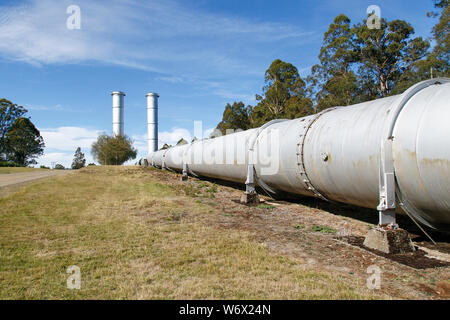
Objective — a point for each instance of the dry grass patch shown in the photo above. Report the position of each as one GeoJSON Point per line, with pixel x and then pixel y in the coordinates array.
{"type": "Point", "coordinates": [137, 238]}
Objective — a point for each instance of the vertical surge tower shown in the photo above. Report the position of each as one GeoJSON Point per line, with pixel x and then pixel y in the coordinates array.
{"type": "Point", "coordinates": [152, 121]}
{"type": "Point", "coordinates": [118, 113]}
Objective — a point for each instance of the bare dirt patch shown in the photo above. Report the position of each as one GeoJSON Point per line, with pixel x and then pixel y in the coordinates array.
{"type": "Point", "coordinates": [416, 260]}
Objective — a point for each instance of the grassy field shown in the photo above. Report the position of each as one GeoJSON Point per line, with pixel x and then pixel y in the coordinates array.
{"type": "Point", "coordinates": [134, 237]}
{"type": "Point", "coordinates": [6, 170]}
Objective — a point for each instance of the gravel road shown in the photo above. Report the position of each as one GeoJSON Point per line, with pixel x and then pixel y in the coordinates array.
{"type": "Point", "coordinates": [15, 178]}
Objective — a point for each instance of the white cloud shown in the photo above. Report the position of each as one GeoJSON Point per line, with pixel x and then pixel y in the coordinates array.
{"type": "Point", "coordinates": [179, 43]}
{"type": "Point", "coordinates": [57, 107]}
{"type": "Point", "coordinates": [69, 138]}
{"type": "Point", "coordinates": [169, 137]}
{"type": "Point", "coordinates": [171, 79]}
{"type": "Point", "coordinates": [172, 137]}
{"type": "Point", "coordinates": [61, 143]}
{"type": "Point", "coordinates": [52, 158]}
{"type": "Point", "coordinates": [160, 35]}
{"type": "Point", "coordinates": [208, 132]}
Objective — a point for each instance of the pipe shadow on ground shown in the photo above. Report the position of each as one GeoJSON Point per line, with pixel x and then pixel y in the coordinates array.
{"type": "Point", "coordinates": [345, 210]}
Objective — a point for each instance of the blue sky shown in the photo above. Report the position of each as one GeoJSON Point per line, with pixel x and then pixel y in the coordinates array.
{"type": "Point", "coordinates": [198, 55]}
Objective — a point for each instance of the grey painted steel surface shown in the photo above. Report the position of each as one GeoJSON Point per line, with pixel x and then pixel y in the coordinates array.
{"type": "Point", "coordinates": [336, 154]}
{"type": "Point", "coordinates": [228, 151]}
{"type": "Point", "coordinates": [118, 105]}
{"type": "Point", "coordinates": [152, 121]}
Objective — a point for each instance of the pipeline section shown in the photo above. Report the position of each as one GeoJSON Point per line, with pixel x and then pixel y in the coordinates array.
{"type": "Point", "coordinates": [392, 154]}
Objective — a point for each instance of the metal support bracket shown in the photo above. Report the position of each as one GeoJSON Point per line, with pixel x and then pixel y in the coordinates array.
{"type": "Point", "coordinates": [250, 186]}
{"type": "Point", "coordinates": [387, 206]}
{"type": "Point", "coordinates": [163, 160]}
{"type": "Point", "coordinates": [250, 196]}
{"type": "Point", "coordinates": [184, 175]}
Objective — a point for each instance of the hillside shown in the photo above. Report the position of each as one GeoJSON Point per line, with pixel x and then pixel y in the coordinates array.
{"type": "Point", "coordinates": [140, 233]}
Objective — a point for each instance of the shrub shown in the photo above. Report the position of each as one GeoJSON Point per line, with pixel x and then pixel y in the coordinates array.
{"type": "Point", "coordinates": [9, 164]}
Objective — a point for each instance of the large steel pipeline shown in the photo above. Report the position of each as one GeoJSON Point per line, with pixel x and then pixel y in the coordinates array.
{"type": "Point", "coordinates": [392, 154]}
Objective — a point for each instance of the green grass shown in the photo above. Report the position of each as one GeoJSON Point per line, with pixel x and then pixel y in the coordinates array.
{"type": "Point", "coordinates": [323, 229]}
{"type": "Point", "coordinates": [137, 238]}
{"type": "Point", "coordinates": [265, 206]}
{"type": "Point", "coordinates": [202, 189]}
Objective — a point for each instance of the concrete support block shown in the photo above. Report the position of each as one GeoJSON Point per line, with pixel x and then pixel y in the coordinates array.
{"type": "Point", "coordinates": [250, 198]}
{"type": "Point", "coordinates": [389, 241]}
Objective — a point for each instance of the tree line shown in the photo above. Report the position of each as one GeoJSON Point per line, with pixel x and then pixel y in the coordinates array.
{"type": "Point", "coordinates": [356, 64]}
{"type": "Point", "coordinates": [21, 142]}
